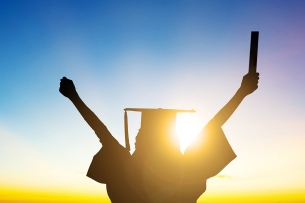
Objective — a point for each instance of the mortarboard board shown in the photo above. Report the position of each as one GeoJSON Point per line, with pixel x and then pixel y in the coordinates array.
{"type": "Point", "coordinates": [161, 119]}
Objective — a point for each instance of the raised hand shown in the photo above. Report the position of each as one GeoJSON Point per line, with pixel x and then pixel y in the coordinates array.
{"type": "Point", "coordinates": [67, 88]}
{"type": "Point", "coordinates": [249, 83]}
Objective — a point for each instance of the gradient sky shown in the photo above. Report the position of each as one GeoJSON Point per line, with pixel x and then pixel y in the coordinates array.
{"type": "Point", "coordinates": [173, 54]}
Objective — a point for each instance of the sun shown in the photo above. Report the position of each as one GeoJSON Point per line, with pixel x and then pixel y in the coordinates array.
{"type": "Point", "coordinates": [188, 126]}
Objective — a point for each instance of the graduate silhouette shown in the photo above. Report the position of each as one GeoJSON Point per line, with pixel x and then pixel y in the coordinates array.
{"type": "Point", "coordinates": [157, 172]}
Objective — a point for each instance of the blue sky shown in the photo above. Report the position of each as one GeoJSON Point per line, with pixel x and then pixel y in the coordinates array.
{"type": "Point", "coordinates": [173, 54]}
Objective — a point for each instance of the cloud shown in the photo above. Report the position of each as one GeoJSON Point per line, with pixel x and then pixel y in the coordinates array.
{"type": "Point", "coordinates": [224, 176]}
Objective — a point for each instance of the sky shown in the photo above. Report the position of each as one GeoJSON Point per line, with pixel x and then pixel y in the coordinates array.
{"type": "Point", "coordinates": [149, 54]}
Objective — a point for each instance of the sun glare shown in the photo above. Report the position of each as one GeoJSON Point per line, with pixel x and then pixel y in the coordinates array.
{"type": "Point", "coordinates": [187, 126]}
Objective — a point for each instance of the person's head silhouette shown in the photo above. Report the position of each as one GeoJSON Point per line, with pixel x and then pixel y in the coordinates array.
{"type": "Point", "coordinates": [157, 129]}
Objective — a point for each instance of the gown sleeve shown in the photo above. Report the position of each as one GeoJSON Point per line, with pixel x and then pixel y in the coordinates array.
{"type": "Point", "coordinates": [108, 164]}
{"type": "Point", "coordinates": [209, 153]}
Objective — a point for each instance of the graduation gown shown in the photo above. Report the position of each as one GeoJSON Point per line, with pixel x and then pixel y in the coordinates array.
{"type": "Point", "coordinates": [207, 155]}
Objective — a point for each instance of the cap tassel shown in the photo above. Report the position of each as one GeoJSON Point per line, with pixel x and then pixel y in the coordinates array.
{"type": "Point", "coordinates": [126, 131]}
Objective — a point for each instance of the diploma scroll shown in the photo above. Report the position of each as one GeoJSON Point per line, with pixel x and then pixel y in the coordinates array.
{"type": "Point", "coordinates": [253, 51]}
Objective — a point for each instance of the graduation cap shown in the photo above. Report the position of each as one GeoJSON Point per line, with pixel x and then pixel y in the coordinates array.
{"type": "Point", "coordinates": [163, 120]}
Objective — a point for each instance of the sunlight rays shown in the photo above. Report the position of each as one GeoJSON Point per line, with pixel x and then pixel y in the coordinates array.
{"type": "Point", "coordinates": [187, 126]}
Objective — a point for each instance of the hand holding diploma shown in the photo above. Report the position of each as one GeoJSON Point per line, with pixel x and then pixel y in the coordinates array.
{"type": "Point", "coordinates": [250, 81]}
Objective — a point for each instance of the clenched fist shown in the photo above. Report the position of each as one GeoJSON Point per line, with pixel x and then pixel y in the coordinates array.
{"type": "Point", "coordinates": [67, 88]}
{"type": "Point", "coordinates": [249, 83]}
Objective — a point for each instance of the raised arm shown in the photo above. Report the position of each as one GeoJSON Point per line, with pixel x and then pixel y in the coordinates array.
{"type": "Point", "coordinates": [249, 84]}
{"type": "Point", "coordinates": [67, 89]}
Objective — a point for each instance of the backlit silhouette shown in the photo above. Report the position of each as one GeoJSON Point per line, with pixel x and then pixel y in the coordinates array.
{"type": "Point", "coordinates": [157, 172]}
